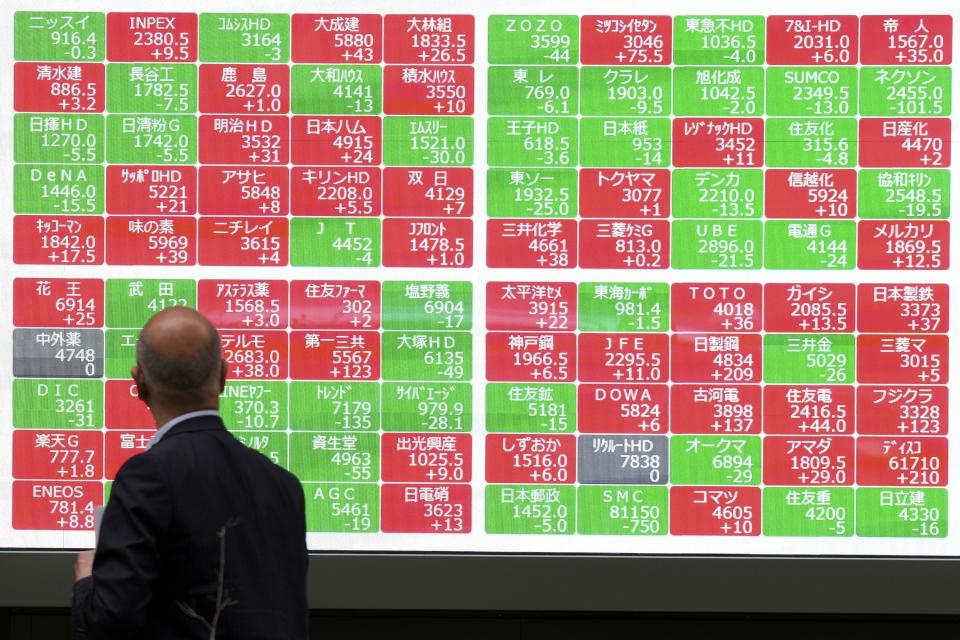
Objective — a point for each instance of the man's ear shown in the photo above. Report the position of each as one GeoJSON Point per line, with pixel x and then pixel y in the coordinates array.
{"type": "Point", "coordinates": [137, 376]}
{"type": "Point", "coordinates": [223, 376]}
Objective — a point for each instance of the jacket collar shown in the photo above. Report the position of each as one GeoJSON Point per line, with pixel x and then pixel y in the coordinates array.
{"type": "Point", "coordinates": [204, 422]}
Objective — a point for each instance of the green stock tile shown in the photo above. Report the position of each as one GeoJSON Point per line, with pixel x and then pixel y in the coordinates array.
{"type": "Point", "coordinates": [532, 91]}
{"type": "Point", "coordinates": [625, 142]}
{"type": "Point", "coordinates": [623, 306]}
{"type": "Point", "coordinates": [803, 244]}
{"type": "Point", "coordinates": [715, 460]}
{"type": "Point", "coordinates": [811, 142]}
{"type": "Point", "coordinates": [254, 406]}
{"type": "Point", "coordinates": [808, 512]}
{"type": "Point", "coordinates": [898, 512]}
{"type": "Point", "coordinates": [342, 507]}
{"type": "Point", "coordinates": [718, 91]}
{"type": "Point", "coordinates": [335, 242]}
{"type": "Point", "coordinates": [151, 139]}
{"type": "Point", "coordinates": [58, 137]}
{"type": "Point", "coordinates": [625, 91]}
{"type": "Point", "coordinates": [533, 39]}
{"type": "Point", "coordinates": [445, 141]}
{"type": "Point", "coordinates": [713, 39]}
{"type": "Point", "coordinates": [532, 142]}
{"type": "Point", "coordinates": [808, 358]}
{"type": "Point", "coordinates": [336, 89]}
{"type": "Point", "coordinates": [903, 193]}
{"type": "Point", "coordinates": [811, 91]}
{"type": "Point", "coordinates": [335, 406]}
{"type": "Point", "coordinates": [131, 302]}
{"type": "Point", "coordinates": [437, 356]}
{"type": "Point", "coordinates": [622, 510]}
{"type": "Point", "coordinates": [530, 509]}
{"type": "Point", "coordinates": [73, 189]}
{"type": "Point", "coordinates": [59, 36]}
{"type": "Point", "coordinates": [244, 37]}
{"type": "Point", "coordinates": [716, 244]}
{"type": "Point", "coordinates": [273, 445]}
{"type": "Point", "coordinates": [427, 305]}
{"type": "Point", "coordinates": [905, 91]}
{"type": "Point", "coordinates": [431, 407]}
{"type": "Point", "coordinates": [717, 193]}
{"type": "Point", "coordinates": [335, 457]}
{"type": "Point", "coordinates": [120, 352]}
{"type": "Point", "coordinates": [514, 407]}
{"type": "Point", "coordinates": [145, 87]}
{"type": "Point", "coordinates": [57, 404]}
{"type": "Point", "coordinates": [532, 193]}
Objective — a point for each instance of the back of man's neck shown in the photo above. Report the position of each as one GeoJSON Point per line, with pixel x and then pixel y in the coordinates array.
{"type": "Point", "coordinates": [163, 416]}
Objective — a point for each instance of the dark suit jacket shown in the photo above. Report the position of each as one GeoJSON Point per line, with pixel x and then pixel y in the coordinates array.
{"type": "Point", "coordinates": [159, 552]}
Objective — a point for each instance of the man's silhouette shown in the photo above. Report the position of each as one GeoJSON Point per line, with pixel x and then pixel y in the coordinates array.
{"type": "Point", "coordinates": [201, 537]}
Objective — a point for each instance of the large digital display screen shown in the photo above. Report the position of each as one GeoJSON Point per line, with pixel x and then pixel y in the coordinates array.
{"type": "Point", "coordinates": [495, 277]}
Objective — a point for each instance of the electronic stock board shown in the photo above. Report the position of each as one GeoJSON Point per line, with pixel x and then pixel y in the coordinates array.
{"type": "Point", "coordinates": [512, 280]}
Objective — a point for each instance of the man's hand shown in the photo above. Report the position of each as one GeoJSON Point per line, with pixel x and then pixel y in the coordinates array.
{"type": "Point", "coordinates": [83, 566]}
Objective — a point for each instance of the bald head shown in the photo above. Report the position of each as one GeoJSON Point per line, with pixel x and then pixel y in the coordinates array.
{"type": "Point", "coordinates": [178, 357]}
